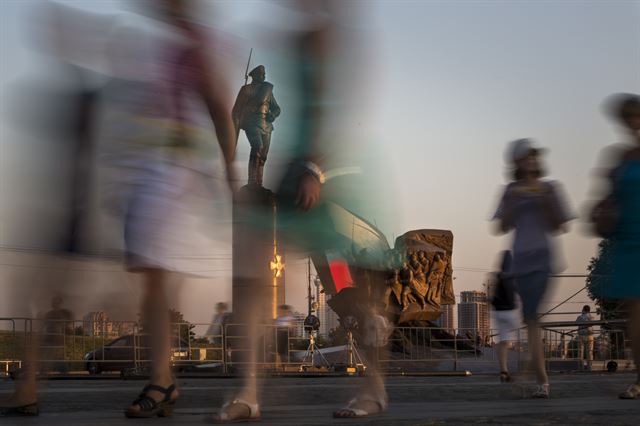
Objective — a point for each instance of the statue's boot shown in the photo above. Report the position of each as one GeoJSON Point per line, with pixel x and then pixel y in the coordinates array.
{"type": "Point", "coordinates": [253, 171]}
{"type": "Point", "coordinates": [259, 172]}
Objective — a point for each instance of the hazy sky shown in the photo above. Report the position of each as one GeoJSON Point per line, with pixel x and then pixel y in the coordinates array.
{"type": "Point", "coordinates": [463, 78]}
{"type": "Point", "coordinates": [452, 83]}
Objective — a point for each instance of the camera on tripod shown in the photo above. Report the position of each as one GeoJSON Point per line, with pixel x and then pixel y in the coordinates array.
{"type": "Point", "coordinates": [313, 357]}
{"type": "Point", "coordinates": [311, 323]}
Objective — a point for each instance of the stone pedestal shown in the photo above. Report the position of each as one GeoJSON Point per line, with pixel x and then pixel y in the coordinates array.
{"type": "Point", "coordinates": [257, 291]}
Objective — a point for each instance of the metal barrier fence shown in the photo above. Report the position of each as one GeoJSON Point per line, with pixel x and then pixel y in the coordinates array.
{"type": "Point", "coordinates": [591, 348]}
{"type": "Point", "coordinates": [96, 347]}
{"type": "Point", "coordinates": [412, 348]}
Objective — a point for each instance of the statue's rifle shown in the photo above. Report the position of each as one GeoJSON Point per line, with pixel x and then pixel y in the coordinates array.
{"type": "Point", "coordinates": [246, 81]}
{"type": "Point", "coordinates": [246, 71]}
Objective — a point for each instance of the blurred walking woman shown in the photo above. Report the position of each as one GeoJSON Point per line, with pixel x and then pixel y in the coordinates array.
{"type": "Point", "coordinates": [618, 218]}
{"type": "Point", "coordinates": [157, 155]}
{"type": "Point", "coordinates": [535, 209]}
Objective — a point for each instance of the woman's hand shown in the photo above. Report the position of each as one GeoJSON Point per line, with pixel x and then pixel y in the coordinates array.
{"type": "Point", "coordinates": [232, 178]}
{"type": "Point", "coordinates": [308, 192]}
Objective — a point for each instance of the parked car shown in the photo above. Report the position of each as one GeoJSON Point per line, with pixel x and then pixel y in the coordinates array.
{"type": "Point", "coordinates": [122, 354]}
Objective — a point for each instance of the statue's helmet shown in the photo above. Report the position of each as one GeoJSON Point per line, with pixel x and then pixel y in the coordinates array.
{"type": "Point", "coordinates": [259, 70]}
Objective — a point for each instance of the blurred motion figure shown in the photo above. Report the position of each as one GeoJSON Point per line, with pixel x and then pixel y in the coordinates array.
{"type": "Point", "coordinates": [534, 209]}
{"type": "Point", "coordinates": [322, 51]}
{"type": "Point", "coordinates": [585, 336]}
{"type": "Point", "coordinates": [166, 181]}
{"type": "Point", "coordinates": [505, 313]}
{"type": "Point", "coordinates": [57, 110]}
{"type": "Point", "coordinates": [617, 217]}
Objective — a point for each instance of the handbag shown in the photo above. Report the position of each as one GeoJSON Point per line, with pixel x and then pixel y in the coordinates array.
{"type": "Point", "coordinates": [605, 216]}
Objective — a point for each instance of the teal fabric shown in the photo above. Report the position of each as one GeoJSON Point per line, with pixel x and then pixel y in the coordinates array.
{"type": "Point", "coordinates": [625, 282]}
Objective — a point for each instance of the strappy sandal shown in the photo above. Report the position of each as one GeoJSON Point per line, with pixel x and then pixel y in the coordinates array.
{"type": "Point", "coordinates": [505, 377]}
{"type": "Point", "coordinates": [223, 415]}
{"type": "Point", "coordinates": [20, 411]}
{"type": "Point", "coordinates": [353, 412]}
{"type": "Point", "coordinates": [632, 392]}
{"type": "Point", "coordinates": [149, 407]}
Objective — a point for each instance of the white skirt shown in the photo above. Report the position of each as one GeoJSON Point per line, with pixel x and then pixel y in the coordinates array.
{"type": "Point", "coordinates": [159, 216]}
{"type": "Point", "coordinates": [508, 323]}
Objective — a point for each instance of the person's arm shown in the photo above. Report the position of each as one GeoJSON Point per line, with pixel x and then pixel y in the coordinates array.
{"type": "Point", "coordinates": [213, 90]}
{"type": "Point", "coordinates": [555, 208]}
{"type": "Point", "coordinates": [506, 212]}
{"type": "Point", "coordinates": [225, 130]}
{"type": "Point", "coordinates": [309, 188]}
{"type": "Point", "coordinates": [314, 47]}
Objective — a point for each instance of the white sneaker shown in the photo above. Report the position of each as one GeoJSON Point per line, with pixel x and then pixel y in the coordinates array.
{"type": "Point", "coordinates": [542, 391]}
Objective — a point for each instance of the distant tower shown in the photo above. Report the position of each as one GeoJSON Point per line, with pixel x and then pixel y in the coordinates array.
{"type": "Point", "coordinates": [328, 318]}
{"type": "Point", "coordinates": [447, 318]}
{"type": "Point", "coordinates": [473, 313]}
{"type": "Point", "coordinates": [97, 324]}
{"type": "Point", "coordinates": [297, 325]}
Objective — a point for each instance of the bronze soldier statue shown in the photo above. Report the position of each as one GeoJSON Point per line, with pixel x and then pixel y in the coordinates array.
{"type": "Point", "coordinates": [254, 112]}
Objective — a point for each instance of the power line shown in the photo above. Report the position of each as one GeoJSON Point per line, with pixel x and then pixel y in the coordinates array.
{"type": "Point", "coordinates": [481, 270]}
{"type": "Point", "coordinates": [563, 302]}
{"type": "Point", "coordinates": [105, 255]}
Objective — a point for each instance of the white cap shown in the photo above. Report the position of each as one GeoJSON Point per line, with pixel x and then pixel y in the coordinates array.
{"type": "Point", "coordinates": [521, 148]}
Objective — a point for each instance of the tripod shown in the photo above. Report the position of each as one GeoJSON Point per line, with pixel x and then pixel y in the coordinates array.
{"type": "Point", "coordinates": [354, 360]}
{"type": "Point", "coordinates": [308, 361]}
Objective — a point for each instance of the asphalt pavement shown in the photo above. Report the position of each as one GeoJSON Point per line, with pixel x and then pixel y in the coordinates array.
{"type": "Point", "coordinates": [580, 399]}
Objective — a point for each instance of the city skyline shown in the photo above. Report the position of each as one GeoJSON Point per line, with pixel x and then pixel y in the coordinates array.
{"type": "Point", "coordinates": [474, 314]}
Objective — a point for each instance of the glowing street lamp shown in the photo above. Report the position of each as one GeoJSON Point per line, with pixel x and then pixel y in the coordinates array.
{"type": "Point", "coordinates": [277, 266]}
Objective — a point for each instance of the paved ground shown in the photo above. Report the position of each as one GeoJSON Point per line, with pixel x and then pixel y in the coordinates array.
{"type": "Point", "coordinates": [576, 399]}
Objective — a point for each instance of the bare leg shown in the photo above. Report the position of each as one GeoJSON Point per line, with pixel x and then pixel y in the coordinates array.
{"type": "Point", "coordinates": [249, 391]}
{"type": "Point", "coordinates": [374, 382]}
{"type": "Point", "coordinates": [30, 298]}
{"type": "Point", "coordinates": [372, 396]}
{"type": "Point", "coordinates": [239, 407]}
{"type": "Point", "coordinates": [502, 348]}
{"type": "Point", "coordinates": [581, 345]}
{"type": "Point", "coordinates": [25, 391]}
{"type": "Point", "coordinates": [155, 310]}
{"type": "Point", "coordinates": [536, 352]}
